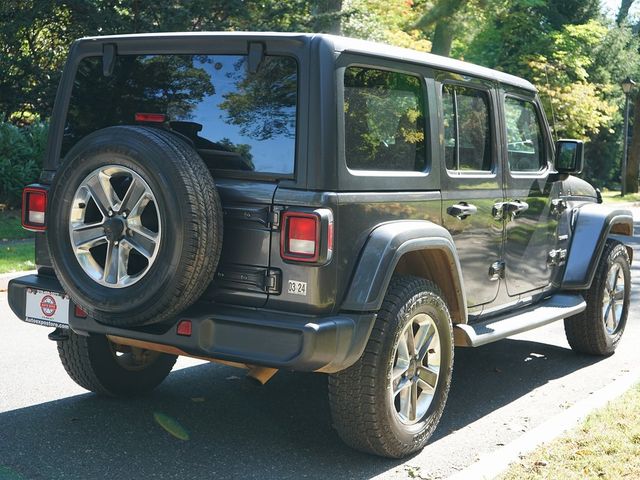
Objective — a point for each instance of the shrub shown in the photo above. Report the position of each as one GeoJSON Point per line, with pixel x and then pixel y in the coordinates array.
{"type": "Point", "coordinates": [21, 151]}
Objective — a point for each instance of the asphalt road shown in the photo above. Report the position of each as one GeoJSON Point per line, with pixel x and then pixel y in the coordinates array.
{"type": "Point", "coordinates": [50, 428]}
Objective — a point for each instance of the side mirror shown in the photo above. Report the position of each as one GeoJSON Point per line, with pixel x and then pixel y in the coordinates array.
{"type": "Point", "coordinates": [569, 156]}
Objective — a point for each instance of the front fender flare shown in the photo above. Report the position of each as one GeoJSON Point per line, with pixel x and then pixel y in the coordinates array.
{"type": "Point", "coordinates": [592, 226]}
{"type": "Point", "coordinates": [381, 253]}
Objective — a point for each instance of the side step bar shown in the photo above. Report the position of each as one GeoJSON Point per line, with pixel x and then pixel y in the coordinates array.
{"type": "Point", "coordinates": [554, 308]}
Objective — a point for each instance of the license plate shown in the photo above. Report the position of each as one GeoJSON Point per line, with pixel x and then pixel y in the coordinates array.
{"type": "Point", "coordinates": [47, 308]}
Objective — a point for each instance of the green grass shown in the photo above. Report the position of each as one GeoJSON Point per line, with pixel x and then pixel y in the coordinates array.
{"type": "Point", "coordinates": [606, 445]}
{"type": "Point", "coordinates": [10, 226]}
{"type": "Point", "coordinates": [17, 257]}
{"type": "Point", "coordinates": [612, 196]}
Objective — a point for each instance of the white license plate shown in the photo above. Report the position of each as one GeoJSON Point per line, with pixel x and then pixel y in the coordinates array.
{"type": "Point", "coordinates": [47, 308]}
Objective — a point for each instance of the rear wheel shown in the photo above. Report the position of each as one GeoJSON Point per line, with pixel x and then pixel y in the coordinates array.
{"type": "Point", "coordinates": [390, 401]}
{"type": "Point", "coordinates": [598, 329]}
{"type": "Point", "coordinates": [103, 367]}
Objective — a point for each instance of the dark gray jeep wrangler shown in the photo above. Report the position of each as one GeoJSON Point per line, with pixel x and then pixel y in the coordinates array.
{"type": "Point", "coordinates": [312, 203]}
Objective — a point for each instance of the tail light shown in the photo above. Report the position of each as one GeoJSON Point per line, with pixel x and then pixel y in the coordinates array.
{"type": "Point", "coordinates": [307, 236]}
{"type": "Point", "coordinates": [34, 208]}
{"type": "Point", "coordinates": [150, 117]}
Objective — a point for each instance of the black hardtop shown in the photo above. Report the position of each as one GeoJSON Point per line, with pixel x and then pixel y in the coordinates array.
{"type": "Point", "coordinates": [339, 44]}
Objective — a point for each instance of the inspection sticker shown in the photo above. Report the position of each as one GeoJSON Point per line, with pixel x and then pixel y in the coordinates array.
{"type": "Point", "coordinates": [297, 288]}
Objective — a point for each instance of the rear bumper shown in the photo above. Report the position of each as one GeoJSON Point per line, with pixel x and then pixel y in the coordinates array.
{"type": "Point", "coordinates": [253, 336]}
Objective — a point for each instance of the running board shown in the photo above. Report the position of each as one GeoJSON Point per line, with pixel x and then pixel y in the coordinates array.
{"type": "Point", "coordinates": [554, 308]}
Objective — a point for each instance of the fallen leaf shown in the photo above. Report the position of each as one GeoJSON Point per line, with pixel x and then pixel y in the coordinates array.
{"type": "Point", "coordinates": [171, 425]}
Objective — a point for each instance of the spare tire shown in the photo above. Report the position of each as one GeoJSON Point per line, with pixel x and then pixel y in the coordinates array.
{"type": "Point", "coordinates": [135, 225]}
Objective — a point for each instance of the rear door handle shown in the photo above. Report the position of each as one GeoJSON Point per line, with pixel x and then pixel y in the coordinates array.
{"type": "Point", "coordinates": [462, 210]}
{"type": "Point", "coordinates": [516, 207]}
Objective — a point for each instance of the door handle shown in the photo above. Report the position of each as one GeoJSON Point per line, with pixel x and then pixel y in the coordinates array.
{"type": "Point", "coordinates": [515, 207]}
{"type": "Point", "coordinates": [462, 210]}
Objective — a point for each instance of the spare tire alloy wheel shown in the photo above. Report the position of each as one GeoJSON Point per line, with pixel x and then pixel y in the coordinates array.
{"type": "Point", "coordinates": [135, 225]}
{"type": "Point", "coordinates": [115, 227]}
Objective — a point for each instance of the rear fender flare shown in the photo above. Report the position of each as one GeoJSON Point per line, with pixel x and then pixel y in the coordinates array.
{"type": "Point", "coordinates": [384, 249]}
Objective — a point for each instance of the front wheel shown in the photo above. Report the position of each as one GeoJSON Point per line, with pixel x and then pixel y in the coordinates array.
{"type": "Point", "coordinates": [598, 329]}
{"type": "Point", "coordinates": [390, 401]}
{"type": "Point", "coordinates": [103, 367]}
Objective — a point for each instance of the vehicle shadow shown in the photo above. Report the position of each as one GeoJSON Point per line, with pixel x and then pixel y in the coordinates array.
{"type": "Point", "coordinates": [239, 429]}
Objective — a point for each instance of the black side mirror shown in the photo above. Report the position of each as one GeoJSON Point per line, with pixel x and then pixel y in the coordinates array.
{"type": "Point", "coordinates": [569, 156]}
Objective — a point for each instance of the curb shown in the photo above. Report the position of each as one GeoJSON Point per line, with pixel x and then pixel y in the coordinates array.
{"type": "Point", "coordinates": [5, 277]}
{"type": "Point", "coordinates": [493, 464]}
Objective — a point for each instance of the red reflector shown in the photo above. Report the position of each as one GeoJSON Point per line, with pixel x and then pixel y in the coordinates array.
{"type": "Point", "coordinates": [151, 117]}
{"type": "Point", "coordinates": [184, 328]}
{"type": "Point", "coordinates": [79, 312]}
{"type": "Point", "coordinates": [34, 206]}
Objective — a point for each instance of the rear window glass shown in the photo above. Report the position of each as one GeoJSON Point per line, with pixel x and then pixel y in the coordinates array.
{"type": "Point", "coordinates": [384, 120]}
{"type": "Point", "coordinates": [236, 119]}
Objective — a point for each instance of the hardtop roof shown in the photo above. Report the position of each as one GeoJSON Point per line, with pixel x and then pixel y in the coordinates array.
{"type": "Point", "coordinates": [346, 44]}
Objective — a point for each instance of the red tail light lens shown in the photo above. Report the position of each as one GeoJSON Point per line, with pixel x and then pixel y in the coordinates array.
{"type": "Point", "coordinates": [301, 236]}
{"type": "Point", "coordinates": [34, 208]}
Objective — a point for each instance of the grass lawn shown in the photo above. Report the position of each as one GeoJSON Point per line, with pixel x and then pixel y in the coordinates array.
{"type": "Point", "coordinates": [10, 226]}
{"type": "Point", "coordinates": [610, 196]}
{"type": "Point", "coordinates": [17, 257]}
{"type": "Point", "coordinates": [606, 445]}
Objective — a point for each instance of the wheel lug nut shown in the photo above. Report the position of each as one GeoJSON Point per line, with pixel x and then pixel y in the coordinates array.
{"type": "Point", "coordinates": [124, 214]}
{"type": "Point", "coordinates": [116, 243]}
{"type": "Point", "coordinates": [111, 213]}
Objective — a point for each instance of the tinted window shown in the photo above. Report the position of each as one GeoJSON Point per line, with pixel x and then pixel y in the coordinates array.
{"type": "Point", "coordinates": [237, 120]}
{"type": "Point", "coordinates": [467, 136]}
{"type": "Point", "coordinates": [384, 120]}
{"type": "Point", "coordinates": [525, 145]}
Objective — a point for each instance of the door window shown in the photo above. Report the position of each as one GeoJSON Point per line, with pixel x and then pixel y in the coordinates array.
{"type": "Point", "coordinates": [525, 144]}
{"type": "Point", "coordinates": [467, 133]}
{"type": "Point", "coordinates": [384, 121]}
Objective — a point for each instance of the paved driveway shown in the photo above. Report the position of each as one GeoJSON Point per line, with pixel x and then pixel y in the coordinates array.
{"type": "Point", "coordinates": [51, 428]}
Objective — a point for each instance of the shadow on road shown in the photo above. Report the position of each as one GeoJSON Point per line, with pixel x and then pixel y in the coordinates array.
{"type": "Point", "coordinates": [239, 429]}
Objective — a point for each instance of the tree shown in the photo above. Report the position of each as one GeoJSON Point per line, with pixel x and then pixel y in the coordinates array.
{"type": "Point", "coordinates": [327, 16]}
{"type": "Point", "coordinates": [623, 12]}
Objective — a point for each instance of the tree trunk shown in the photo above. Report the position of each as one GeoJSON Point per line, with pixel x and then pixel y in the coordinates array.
{"type": "Point", "coordinates": [623, 13]}
{"type": "Point", "coordinates": [327, 16]}
{"type": "Point", "coordinates": [633, 163]}
{"type": "Point", "coordinates": [442, 38]}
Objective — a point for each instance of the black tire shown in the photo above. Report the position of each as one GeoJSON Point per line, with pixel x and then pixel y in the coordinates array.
{"type": "Point", "coordinates": [93, 363]}
{"type": "Point", "coordinates": [587, 331]}
{"type": "Point", "coordinates": [187, 205]}
{"type": "Point", "coordinates": [363, 411]}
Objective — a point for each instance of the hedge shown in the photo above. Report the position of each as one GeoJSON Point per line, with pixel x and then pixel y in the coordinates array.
{"type": "Point", "coordinates": [21, 151]}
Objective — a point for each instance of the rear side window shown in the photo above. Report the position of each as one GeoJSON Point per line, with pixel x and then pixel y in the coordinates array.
{"type": "Point", "coordinates": [237, 120]}
{"type": "Point", "coordinates": [467, 133]}
{"type": "Point", "coordinates": [384, 120]}
{"type": "Point", "coordinates": [525, 143]}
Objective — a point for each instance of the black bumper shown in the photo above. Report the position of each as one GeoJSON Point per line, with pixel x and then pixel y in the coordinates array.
{"type": "Point", "coordinates": [243, 335]}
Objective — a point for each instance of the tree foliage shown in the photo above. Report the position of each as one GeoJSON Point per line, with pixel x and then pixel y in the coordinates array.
{"type": "Point", "coordinates": [573, 53]}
